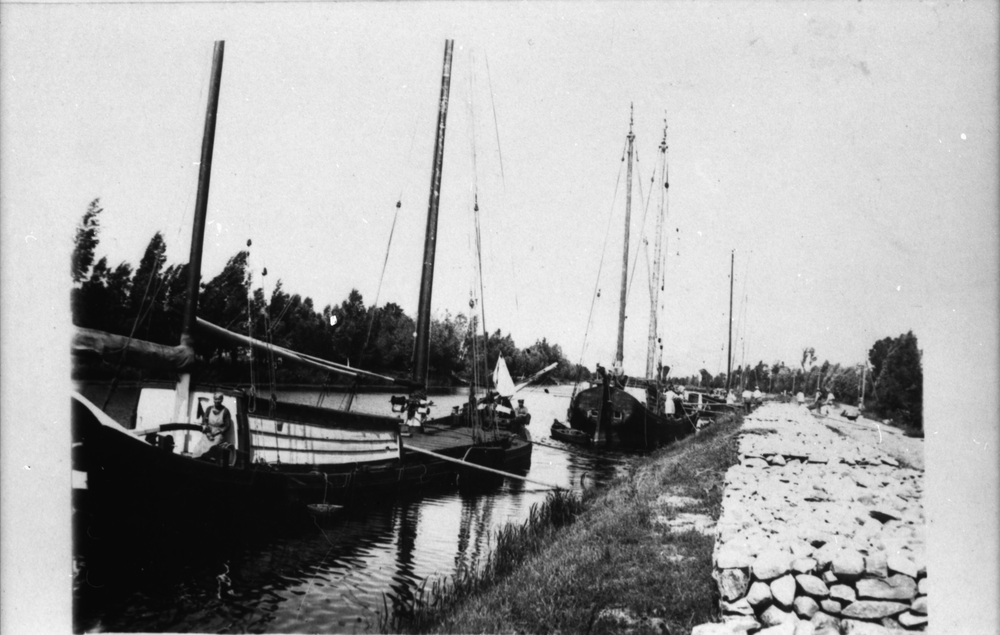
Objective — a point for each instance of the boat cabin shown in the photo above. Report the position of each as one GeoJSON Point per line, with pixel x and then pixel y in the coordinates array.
{"type": "Point", "coordinates": [276, 433]}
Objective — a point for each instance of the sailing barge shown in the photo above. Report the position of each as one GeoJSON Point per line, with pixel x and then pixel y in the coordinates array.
{"type": "Point", "coordinates": [277, 457]}
{"type": "Point", "coordinates": [608, 412]}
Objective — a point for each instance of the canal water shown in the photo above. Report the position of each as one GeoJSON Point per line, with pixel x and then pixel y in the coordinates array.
{"type": "Point", "coordinates": [337, 575]}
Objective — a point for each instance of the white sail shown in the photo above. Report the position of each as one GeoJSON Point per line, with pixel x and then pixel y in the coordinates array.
{"type": "Point", "coordinates": [501, 379]}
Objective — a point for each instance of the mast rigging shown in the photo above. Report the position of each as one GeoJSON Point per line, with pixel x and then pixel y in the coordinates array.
{"type": "Point", "coordinates": [652, 356]}
{"type": "Point", "coordinates": [619, 354]}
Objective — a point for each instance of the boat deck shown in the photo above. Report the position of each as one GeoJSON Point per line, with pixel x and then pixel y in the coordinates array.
{"type": "Point", "coordinates": [450, 441]}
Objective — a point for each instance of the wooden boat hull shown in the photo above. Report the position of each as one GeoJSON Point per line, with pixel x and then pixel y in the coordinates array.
{"type": "Point", "coordinates": [633, 426]}
{"type": "Point", "coordinates": [133, 488]}
{"type": "Point", "coordinates": [452, 436]}
{"type": "Point", "coordinates": [131, 483]}
{"type": "Point", "coordinates": [563, 433]}
{"type": "Point", "coordinates": [358, 485]}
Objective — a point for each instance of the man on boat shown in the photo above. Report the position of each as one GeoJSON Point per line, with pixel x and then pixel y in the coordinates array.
{"type": "Point", "coordinates": [217, 423]}
{"type": "Point", "coordinates": [521, 419]}
{"type": "Point", "coordinates": [521, 410]}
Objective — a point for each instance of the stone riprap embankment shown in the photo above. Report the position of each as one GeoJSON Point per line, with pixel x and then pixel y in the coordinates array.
{"type": "Point", "coordinates": [821, 531]}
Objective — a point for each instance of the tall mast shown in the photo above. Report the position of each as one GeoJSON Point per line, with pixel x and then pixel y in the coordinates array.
{"type": "Point", "coordinates": [182, 392]}
{"type": "Point", "coordinates": [201, 202]}
{"type": "Point", "coordinates": [422, 346]}
{"type": "Point", "coordinates": [619, 355]}
{"type": "Point", "coordinates": [729, 355]}
{"type": "Point", "coordinates": [652, 348]}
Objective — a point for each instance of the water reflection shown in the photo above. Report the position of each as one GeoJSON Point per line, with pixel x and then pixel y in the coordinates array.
{"type": "Point", "coordinates": [332, 574]}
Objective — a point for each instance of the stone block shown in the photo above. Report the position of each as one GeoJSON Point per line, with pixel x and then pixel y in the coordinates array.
{"type": "Point", "coordinates": [811, 585]}
{"type": "Point", "coordinates": [829, 577]}
{"type": "Point", "coordinates": [801, 551]}
{"type": "Point", "coordinates": [760, 592]}
{"type": "Point", "coordinates": [826, 554]}
{"type": "Point", "coordinates": [843, 593]}
{"type": "Point", "coordinates": [910, 619]}
{"type": "Point", "coordinates": [872, 609]}
{"type": "Point", "coordinates": [897, 587]}
{"type": "Point", "coordinates": [923, 587]}
{"type": "Point", "coordinates": [899, 563]}
{"type": "Point", "coordinates": [783, 590]}
{"type": "Point", "coordinates": [741, 623]}
{"type": "Point", "coordinates": [804, 565]}
{"type": "Point", "coordinates": [856, 627]}
{"type": "Point", "coordinates": [732, 556]}
{"type": "Point", "coordinates": [774, 616]}
{"type": "Point", "coordinates": [821, 620]}
{"type": "Point", "coordinates": [785, 628]}
{"type": "Point", "coordinates": [740, 607]}
{"type": "Point", "coordinates": [831, 606]}
{"type": "Point", "coordinates": [805, 606]}
{"type": "Point", "coordinates": [919, 605]}
{"type": "Point", "coordinates": [771, 564]}
{"type": "Point", "coordinates": [733, 583]}
{"type": "Point", "coordinates": [804, 628]}
{"type": "Point", "coordinates": [875, 565]}
{"type": "Point", "coordinates": [848, 564]}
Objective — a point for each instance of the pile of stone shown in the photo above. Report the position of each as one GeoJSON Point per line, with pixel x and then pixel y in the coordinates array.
{"type": "Point", "coordinates": [819, 533]}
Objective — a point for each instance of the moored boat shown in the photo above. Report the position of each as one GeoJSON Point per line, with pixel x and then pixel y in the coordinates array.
{"type": "Point", "coordinates": [274, 456]}
{"type": "Point", "coordinates": [608, 412]}
{"type": "Point", "coordinates": [562, 432]}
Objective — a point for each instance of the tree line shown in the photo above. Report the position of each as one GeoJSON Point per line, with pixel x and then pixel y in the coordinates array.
{"type": "Point", "coordinates": [889, 384]}
{"type": "Point", "coordinates": [147, 302]}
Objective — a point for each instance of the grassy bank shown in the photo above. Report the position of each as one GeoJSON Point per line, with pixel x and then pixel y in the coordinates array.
{"type": "Point", "coordinates": [609, 562]}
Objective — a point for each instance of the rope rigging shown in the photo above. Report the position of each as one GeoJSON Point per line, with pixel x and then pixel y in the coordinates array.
{"type": "Point", "coordinates": [478, 361]}
{"type": "Point", "coordinates": [600, 268]}
{"type": "Point", "coordinates": [503, 180]}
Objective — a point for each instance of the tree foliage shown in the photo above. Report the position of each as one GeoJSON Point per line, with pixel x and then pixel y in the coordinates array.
{"type": "Point", "coordinates": [899, 384]}
{"type": "Point", "coordinates": [148, 302]}
{"type": "Point", "coordinates": [86, 241]}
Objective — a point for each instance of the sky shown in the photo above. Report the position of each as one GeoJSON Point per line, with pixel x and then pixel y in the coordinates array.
{"type": "Point", "coordinates": [843, 153]}
{"type": "Point", "coordinates": [839, 149]}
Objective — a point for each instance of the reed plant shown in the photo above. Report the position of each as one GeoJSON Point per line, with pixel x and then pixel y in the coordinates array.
{"type": "Point", "coordinates": [513, 544]}
{"type": "Point", "coordinates": [608, 561]}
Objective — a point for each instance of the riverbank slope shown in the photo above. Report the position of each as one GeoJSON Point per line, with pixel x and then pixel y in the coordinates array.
{"type": "Point", "coordinates": [638, 560]}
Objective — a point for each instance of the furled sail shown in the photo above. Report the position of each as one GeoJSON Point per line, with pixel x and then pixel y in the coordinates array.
{"type": "Point", "coordinates": [530, 380]}
{"type": "Point", "coordinates": [91, 343]}
{"type": "Point", "coordinates": [111, 348]}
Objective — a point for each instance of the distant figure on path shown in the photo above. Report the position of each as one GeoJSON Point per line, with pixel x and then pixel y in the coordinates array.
{"type": "Point", "coordinates": [800, 397]}
{"type": "Point", "coordinates": [747, 397]}
{"type": "Point", "coordinates": [757, 395]}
